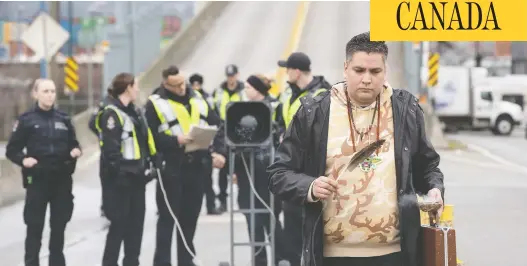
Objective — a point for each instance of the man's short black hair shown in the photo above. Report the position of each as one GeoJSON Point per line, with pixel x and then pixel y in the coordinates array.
{"type": "Point", "coordinates": [196, 78]}
{"type": "Point", "coordinates": [170, 71]}
{"type": "Point", "coordinates": [362, 43]}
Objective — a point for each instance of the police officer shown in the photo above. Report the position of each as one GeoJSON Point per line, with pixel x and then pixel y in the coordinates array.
{"type": "Point", "coordinates": [301, 83]}
{"type": "Point", "coordinates": [257, 89]}
{"type": "Point", "coordinates": [170, 114]}
{"type": "Point", "coordinates": [52, 150]}
{"type": "Point", "coordinates": [230, 90]}
{"type": "Point", "coordinates": [93, 125]}
{"type": "Point", "coordinates": [127, 146]}
{"type": "Point", "coordinates": [196, 82]}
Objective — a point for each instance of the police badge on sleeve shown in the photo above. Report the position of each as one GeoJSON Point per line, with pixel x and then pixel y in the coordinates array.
{"type": "Point", "coordinates": [110, 123]}
{"type": "Point", "coordinates": [60, 126]}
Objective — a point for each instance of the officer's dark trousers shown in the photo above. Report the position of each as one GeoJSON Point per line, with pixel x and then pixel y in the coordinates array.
{"type": "Point", "coordinates": [262, 221]}
{"type": "Point", "coordinates": [210, 196]}
{"type": "Point", "coordinates": [125, 209]}
{"type": "Point", "coordinates": [55, 190]}
{"type": "Point", "coordinates": [185, 191]}
{"type": "Point", "coordinates": [104, 192]}
{"type": "Point", "coordinates": [223, 182]}
{"type": "Point", "coordinates": [293, 230]}
{"type": "Point", "coordinates": [104, 181]}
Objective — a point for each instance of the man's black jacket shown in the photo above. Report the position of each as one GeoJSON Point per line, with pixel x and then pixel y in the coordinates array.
{"type": "Point", "coordinates": [301, 158]}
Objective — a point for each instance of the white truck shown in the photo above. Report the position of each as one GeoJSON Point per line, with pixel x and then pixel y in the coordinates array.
{"type": "Point", "coordinates": [466, 98]}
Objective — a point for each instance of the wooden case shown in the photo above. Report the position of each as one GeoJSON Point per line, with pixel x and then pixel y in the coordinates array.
{"type": "Point", "coordinates": [437, 247]}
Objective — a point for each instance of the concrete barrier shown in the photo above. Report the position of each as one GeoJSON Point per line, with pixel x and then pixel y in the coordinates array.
{"type": "Point", "coordinates": [175, 52]}
{"type": "Point", "coordinates": [10, 183]}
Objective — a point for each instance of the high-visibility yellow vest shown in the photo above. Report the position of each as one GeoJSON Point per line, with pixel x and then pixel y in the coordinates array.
{"type": "Point", "coordinates": [289, 110]}
{"type": "Point", "coordinates": [129, 144]}
{"type": "Point", "coordinates": [274, 105]}
{"type": "Point", "coordinates": [222, 98]}
{"type": "Point", "coordinates": [208, 99]}
{"type": "Point", "coordinates": [174, 117]}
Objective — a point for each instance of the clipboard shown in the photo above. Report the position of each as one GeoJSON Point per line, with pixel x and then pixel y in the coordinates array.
{"type": "Point", "coordinates": [202, 137]}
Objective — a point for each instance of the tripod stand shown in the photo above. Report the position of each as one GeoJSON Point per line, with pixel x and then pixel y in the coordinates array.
{"type": "Point", "coordinates": [248, 129]}
{"type": "Point", "coordinates": [252, 211]}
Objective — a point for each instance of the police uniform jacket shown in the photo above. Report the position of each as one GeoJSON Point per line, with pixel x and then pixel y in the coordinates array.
{"type": "Point", "coordinates": [127, 145]}
{"type": "Point", "coordinates": [94, 118]}
{"type": "Point", "coordinates": [183, 111]}
{"type": "Point", "coordinates": [291, 97]}
{"type": "Point", "coordinates": [222, 96]}
{"type": "Point", "coordinates": [49, 137]}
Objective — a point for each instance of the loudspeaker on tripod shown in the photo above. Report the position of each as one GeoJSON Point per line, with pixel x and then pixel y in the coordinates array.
{"type": "Point", "coordinates": [248, 124]}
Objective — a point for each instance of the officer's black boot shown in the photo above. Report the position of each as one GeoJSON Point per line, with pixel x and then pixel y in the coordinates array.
{"type": "Point", "coordinates": [223, 206]}
{"type": "Point", "coordinates": [212, 210]}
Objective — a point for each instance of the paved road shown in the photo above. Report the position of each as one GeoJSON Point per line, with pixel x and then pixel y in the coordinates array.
{"type": "Point", "coordinates": [488, 203]}
{"type": "Point", "coordinates": [251, 35]}
{"type": "Point", "coordinates": [512, 148]}
{"type": "Point", "coordinates": [489, 207]}
{"type": "Point", "coordinates": [488, 197]}
{"type": "Point", "coordinates": [329, 26]}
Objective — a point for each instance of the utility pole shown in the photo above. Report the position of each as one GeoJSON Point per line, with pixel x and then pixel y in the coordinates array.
{"type": "Point", "coordinates": [478, 57]}
{"type": "Point", "coordinates": [131, 6]}
{"type": "Point", "coordinates": [70, 17]}
{"type": "Point", "coordinates": [54, 12]}
{"type": "Point", "coordinates": [433, 125]}
{"type": "Point", "coordinates": [90, 61]}
{"type": "Point", "coordinates": [43, 62]}
{"type": "Point", "coordinates": [70, 27]}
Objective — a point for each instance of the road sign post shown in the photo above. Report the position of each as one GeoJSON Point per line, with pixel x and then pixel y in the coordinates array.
{"type": "Point", "coordinates": [43, 61]}
{"type": "Point", "coordinates": [71, 76]}
{"type": "Point", "coordinates": [45, 37]}
{"type": "Point", "coordinates": [433, 70]}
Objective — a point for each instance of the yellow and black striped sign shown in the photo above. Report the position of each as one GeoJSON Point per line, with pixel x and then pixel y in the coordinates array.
{"type": "Point", "coordinates": [71, 77]}
{"type": "Point", "coordinates": [433, 69]}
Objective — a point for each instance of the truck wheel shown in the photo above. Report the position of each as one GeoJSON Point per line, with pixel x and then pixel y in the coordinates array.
{"type": "Point", "coordinates": [504, 126]}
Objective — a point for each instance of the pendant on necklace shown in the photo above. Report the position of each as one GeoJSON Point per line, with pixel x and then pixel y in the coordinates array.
{"type": "Point", "coordinates": [361, 135]}
{"type": "Point", "coordinates": [370, 163]}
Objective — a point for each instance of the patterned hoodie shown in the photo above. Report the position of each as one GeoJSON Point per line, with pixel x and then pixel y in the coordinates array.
{"type": "Point", "coordinates": [361, 220]}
